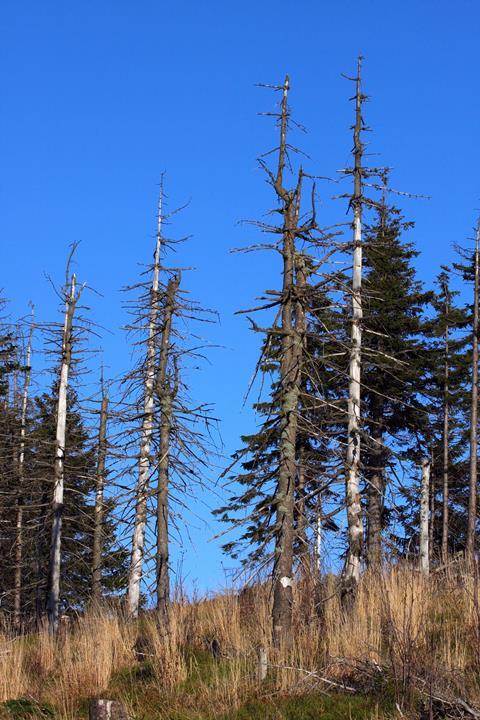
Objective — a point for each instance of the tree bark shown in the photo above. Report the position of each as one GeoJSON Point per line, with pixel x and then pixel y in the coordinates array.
{"type": "Point", "coordinates": [351, 573]}
{"type": "Point", "coordinates": [424, 511]}
{"type": "Point", "coordinates": [284, 500]}
{"type": "Point", "coordinates": [100, 709]}
{"type": "Point", "coordinates": [17, 599]}
{"type": "Point", "coordinates": [289, 389]}
{"type": "Point", "coordinates": [432, 510]}
{"type": "Point", "coordinates": [472, 495]}
{"type": "Point", "coordinates": [318, 535]}
{"type": "Point", "coordinates": [446, 433]}
{"type": "Point", "coordinates": [166, 395]}
{"type": "Point", "coordinates": [53, 599]}
{"type": "Point", "coordinates": [146, 437]}
{"type": "Point", "coordinates": [99, 501]}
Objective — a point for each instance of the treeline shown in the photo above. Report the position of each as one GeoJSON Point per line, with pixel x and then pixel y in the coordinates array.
{"type": "Point", "coordinates": [367, 395]}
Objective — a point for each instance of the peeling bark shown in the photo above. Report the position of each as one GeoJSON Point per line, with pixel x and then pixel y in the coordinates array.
{"type": "Point", "coordinates": [351, 573]}
{"type": "Point", "coordinates": [53, 599]}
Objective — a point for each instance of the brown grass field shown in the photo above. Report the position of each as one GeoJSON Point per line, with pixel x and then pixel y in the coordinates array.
{"type": "Point", "coordinates": [408, 639]}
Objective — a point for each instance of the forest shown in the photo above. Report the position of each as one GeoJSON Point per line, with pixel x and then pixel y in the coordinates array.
{"type": "Point", "coordinates": [349, 511]}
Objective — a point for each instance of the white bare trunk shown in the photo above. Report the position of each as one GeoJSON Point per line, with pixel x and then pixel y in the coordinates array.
{"type": "Point", "coordinates": [424, 517]}
{"type": "Point", "coordinates": [21, 462]}
{"type": "Point", "coordinates": [138, 541]}
{"type": "Point", "coordinates": [355, 527]}
{"type": "Point", "coordinates": [354, 510]}
{"type": "Point", "coordinates": [57, 505]}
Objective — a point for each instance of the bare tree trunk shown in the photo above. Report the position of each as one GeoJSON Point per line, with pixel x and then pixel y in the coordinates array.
{"type": "Point", "coordinates": [424, 511]}
{"type": "Point", "coordinates": [53, 599]}
{"type": "Point", "coordinates": [99, 502]}
{"type": "Point", "coordinates": [17, 599]}
{"type": "Point", "coordinates": [472, 497]}
{"type": "Point", "coordinates": [138, 541]}
{"type": "Point", "coordinates": [446, 412]}
{"type": "Point", "coordinates": [41, 546]}
{"type": "Point", "coordinates": [290, 380]}
{"type": "Point", "coordinates": [351, 574]}
{"type": "Point", "coordinates": [289, 384]}
{"type": "Point", "coordinates": [318, 535]}
{"type": "Point", "coordinates": [432, 509]}
{"type": "Point", "coordinates": [166, 394]}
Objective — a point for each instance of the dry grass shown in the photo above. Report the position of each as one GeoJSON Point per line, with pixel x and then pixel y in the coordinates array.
{"type": "Point", "coordinates": [418, 628]}
{"type": "Point", "coordinates": [78, 664]}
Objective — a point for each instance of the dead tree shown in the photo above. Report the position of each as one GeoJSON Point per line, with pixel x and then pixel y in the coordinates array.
{"type": "Point", "coordinates": [146, 438]}
{"type": "Point", "coordinates": [98, 530]}
{"type": "Point", "coordinates": [166, 424]}
{"type": "Point", "coordinates": [290, 376]}
{"type": "Point", "coordinates": [472, 491]}
{"type": "Point", "coordinates": [166, 390]}
{"type": "Point", "coordinates": [432, 512]}
{"type": "Point", "coordinates": [351, 573]}
{"type": "Point", "coordinates": [17, 596]}
{"type": "Point", "coordinates": [288, 334]}
{"type": "Point", "coordinates": [276, 482]}
{"type": "Point", "coordinates": [72, 296]}
{"type": "Point", "coordinates": [446, 427]}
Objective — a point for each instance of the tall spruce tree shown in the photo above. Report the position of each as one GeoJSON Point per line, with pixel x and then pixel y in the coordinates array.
{"type": "Point", "coordinates": [393, 361]}
{"type": "Point", "coordinates": [449, 366]}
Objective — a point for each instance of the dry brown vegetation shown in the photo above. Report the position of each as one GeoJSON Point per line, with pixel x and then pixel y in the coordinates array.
{"type": "Point", "coordinates": [408, 635]}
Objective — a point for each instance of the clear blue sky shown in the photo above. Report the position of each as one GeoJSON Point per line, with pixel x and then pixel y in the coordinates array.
{"type": "Point", "coordinates": [97, 98]}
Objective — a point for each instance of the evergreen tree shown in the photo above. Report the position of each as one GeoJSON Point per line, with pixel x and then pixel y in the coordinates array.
{"type": "Point", "coordinates": [444, 433]}
{"type": "Point", "coordinates": [8, 468]}
{"type": "Point", "coordinates": [393, 362]}
{"type": "Point", "coordinates": [78, 520]}
{"type": "Point", "coordinates": [251, 504]}
{"type": "Point", "coordinates": [465, 509]}
{"type": "Point", "coordinates": [446, 409]}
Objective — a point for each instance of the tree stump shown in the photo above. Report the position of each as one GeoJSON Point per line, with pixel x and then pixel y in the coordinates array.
{"type": "Point", "coordinates": [100, 709]}
{"type": "Point", "coordinates": [262, 663]}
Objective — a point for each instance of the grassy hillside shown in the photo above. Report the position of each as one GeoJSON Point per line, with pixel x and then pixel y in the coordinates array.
{"type": "Point", "coordinates": [408, 639]}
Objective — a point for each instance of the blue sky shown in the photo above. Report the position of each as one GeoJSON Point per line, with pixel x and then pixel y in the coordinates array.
{"type": "Point", "coordinates": [98, 98]}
